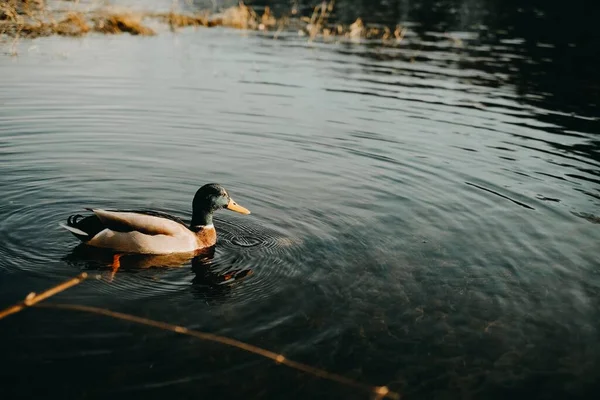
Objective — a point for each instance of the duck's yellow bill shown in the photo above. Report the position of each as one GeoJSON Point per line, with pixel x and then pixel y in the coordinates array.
{"type": "Point", "coordinates": [233, 206]}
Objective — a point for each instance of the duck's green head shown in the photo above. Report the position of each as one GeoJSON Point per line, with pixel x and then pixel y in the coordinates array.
{"type": "Point", "coordinates": [210, 198]}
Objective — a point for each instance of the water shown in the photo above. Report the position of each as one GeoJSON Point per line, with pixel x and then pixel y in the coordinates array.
{"type": "Point", "coordinates": [424, 216]}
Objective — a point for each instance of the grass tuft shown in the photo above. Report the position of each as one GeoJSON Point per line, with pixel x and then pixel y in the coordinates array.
{"type": "Point", "coordinates": [117, 23]}
{"type": "Point", "coordinates": [30, 19]}
{"type": "Point", "coordinates": [176, 20]}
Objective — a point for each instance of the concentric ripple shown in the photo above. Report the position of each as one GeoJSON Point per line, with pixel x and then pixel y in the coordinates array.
{"type": "Point", "coordinates": [415, 216]}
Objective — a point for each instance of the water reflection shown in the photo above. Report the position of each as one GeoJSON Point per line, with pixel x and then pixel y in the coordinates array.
{"type": "Point", "coordinates": [555, 59]}
{"type": "Point", "coordinates": [213, 281]}
{"type": "Point", "coordinates": [212, 278]}
{"type": "Point", "coordinates": [435, 203]}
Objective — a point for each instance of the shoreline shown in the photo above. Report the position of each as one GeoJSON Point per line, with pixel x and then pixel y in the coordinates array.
{"type": "Point", "coordinates": [23, 20]}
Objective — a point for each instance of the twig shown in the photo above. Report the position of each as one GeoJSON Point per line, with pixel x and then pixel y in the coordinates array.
{"type": "Point", "coordinates": [33, 298]}
{"type": "Point", "coordinates": [380, 392]}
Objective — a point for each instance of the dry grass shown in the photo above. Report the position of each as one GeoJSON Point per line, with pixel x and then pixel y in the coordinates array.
{"type": "Point", "coordinates": [11, 8]}
{"type": "Point", "coordinates": [30, 19]}
{"type": "Point", "coordinates": [267, 21]}
{"type": "Point", "coordinates": [8, 12]}
{"type": "Point", "coordinates": [117, 23]}
{"type": "Point", "coordinates": [238, 17]}
{"type": "Point", "coordinates": [176, 20]}
{"type": "Point", "coordinates": [74, 24]}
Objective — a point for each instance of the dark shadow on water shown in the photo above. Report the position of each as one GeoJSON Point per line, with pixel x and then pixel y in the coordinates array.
{"type": "Point", "coordinates": [92, 258]}
{"type": "Point", "coordinates": [212, 280]}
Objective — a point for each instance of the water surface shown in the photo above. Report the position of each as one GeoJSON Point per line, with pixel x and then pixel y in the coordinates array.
{"type": "Point", "coordinates": [419, 220]}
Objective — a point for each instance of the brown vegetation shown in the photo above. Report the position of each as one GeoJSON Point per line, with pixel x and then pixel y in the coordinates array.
{"type": "Point", "coordinates": [119, 23]}
{"type": "Point", "coordinates": [73, 24]}
{"type": "Point", "coordinates": [30, 19]}
{"type": "Point", "coordinates": [176, 20]}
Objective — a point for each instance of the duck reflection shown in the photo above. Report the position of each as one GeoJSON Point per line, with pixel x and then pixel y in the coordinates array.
{"type": "Point", "coordinates": [212, 278]}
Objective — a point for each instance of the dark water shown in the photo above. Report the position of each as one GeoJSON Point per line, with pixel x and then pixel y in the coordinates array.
{"type": "Point", "coordinates": [425, 215]}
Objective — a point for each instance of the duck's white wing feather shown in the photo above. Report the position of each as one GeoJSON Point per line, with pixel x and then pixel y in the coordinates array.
{"type": "Point", "coordinates": [124, 221]}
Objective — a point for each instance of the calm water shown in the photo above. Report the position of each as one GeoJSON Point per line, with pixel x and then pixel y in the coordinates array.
{"type": "Point", "coordinates": [425, 216]}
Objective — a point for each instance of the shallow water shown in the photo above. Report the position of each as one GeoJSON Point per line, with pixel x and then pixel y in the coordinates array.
{"type": "Point", "coordinates": [418, 220]}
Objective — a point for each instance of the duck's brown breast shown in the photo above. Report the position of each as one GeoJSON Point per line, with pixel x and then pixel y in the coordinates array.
{"type": "Point", "coordinates": [206, 237]}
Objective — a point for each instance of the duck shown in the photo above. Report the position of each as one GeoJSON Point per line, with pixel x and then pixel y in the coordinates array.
{"type": "Point", "coordinates": [152, 232]}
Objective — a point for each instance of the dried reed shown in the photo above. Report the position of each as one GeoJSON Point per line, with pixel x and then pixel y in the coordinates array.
{"type": "Point", "coordinates": [33, 299]}
{"type": "Point", "coordinates": [116, 23]}
{"type": "Point", "coordinates": [30, 19]}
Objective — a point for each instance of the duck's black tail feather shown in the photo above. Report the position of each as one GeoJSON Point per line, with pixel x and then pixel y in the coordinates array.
{"type": "Point", "coordinates": [83, 228]}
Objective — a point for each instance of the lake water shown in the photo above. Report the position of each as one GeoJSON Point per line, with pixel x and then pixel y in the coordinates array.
{"type": "Point", "coordinates": [424, 215]}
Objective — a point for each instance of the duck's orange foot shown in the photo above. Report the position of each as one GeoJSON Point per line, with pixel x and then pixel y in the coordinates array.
{"type": "Point", "coordinates": [116, 263]}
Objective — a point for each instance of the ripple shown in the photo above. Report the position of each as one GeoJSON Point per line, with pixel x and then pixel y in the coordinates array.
{"type": "Point", "coordinates": [501, 195]}
{"type": "Point", "coordinates": [402, 203]}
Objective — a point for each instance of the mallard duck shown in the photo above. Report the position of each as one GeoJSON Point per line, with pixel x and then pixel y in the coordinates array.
{"type": "Point", "coordinates": [150, 232]}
